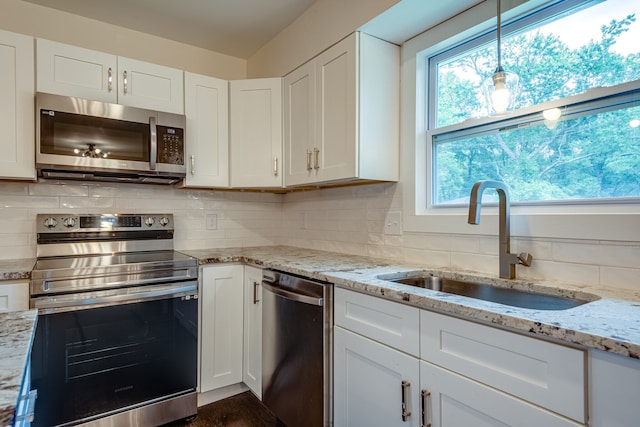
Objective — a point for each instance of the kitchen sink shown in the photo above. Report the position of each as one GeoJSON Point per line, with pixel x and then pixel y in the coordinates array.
{"type": "Point", "coordinates": [502, 295]}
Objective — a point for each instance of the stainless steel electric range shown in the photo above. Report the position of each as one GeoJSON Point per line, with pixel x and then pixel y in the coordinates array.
{"type": "Point", "coordinates": [116, 340]}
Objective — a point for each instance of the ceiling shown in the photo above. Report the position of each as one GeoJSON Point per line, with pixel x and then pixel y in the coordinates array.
{"type": "Point", "coordinates": [233, 27]}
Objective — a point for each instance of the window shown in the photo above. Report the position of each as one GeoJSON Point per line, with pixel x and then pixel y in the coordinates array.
{"type": "Point", "coordinates": [578, 59]}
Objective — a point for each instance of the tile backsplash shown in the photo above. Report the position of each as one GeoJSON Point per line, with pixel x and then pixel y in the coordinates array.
{"type": "Point", "coordinates": [243, 219]}
{"type": "Point", "coordinates": [348, 220]}
{"type": "Point", "coordinates": [351, 220]}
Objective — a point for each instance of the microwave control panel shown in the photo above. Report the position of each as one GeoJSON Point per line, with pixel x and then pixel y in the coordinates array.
{"type": "Point", "coordinates": [170, 145]}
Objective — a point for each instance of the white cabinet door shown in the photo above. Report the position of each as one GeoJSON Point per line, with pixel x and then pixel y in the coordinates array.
{"type": "Point", "coordinates": [613, 390]}
{"type": "Point", "coordinates": [17, 144]}
{"type": "Point", "coordinates": [14, 296]}
{"type": "Point", "coordinates": [221, 306]}
{"type": "Point", "coordinates": [74, 71]}
{"type": "Point", "coordinates": [299, 124]}
{"type": "Point", "coordinates": [368, 383]}
{"type": "Point", "coordinates": [256, 133]}
{"type": "Point", "coordinates": [151, 86]}
{"type": "Point", "coordinates": [336, 134]}
{"type": "Point", "coordinates": [207, 111]}
{"type": "Point", "coordinates": [451, 400]}
{"type": "Point", "coordinates": [252, 358]}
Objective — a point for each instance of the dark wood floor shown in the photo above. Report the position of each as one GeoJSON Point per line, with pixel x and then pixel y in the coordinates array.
{"type": "Point", "coordinates": [242, 410]}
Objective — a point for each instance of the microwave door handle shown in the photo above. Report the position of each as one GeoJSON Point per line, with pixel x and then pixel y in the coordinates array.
{"type": "Point", "coordinates": [153, 152]}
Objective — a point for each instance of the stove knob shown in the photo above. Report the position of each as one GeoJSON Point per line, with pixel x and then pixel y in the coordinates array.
{"type": "Point", "coordinates": [164, 221]}
{"type": "Point", "coordinates": [149, 221]}
{"type": "Point", "coordinates": [50, 222]}
{"type": "Point", "coordinates": [69, 222]}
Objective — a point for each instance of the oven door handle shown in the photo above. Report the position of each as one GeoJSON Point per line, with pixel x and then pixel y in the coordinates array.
{"type": "Point", "coordinates": [80, 302]}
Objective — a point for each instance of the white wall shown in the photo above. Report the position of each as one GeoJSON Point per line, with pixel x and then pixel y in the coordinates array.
{"type": "Point", "coordinates": [325, 23]}
{"type": "Point", "coordinates": [244, 219]}
{"type": "Point", "coordinates": [39, 21]}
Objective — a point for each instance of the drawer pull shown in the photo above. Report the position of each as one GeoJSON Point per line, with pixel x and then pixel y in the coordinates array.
{"type": "Point", "coordinates": [405, 390]}
{"type": "Point", "coordinates": [424, 406]}
{"type": "Point", "coordinates": [255, 292]}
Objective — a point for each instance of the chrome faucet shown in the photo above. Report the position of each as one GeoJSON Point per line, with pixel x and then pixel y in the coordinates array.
{"type": "Point", "coordinates": [508, 260]}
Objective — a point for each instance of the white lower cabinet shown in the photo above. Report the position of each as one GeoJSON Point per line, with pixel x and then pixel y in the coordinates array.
{"type": "Point", "coordinates": [370, 380]}
{"type": "Point", "coordinates": [467, 374]}
{"type": "Point", "coordinates": [452, 400]}
{"type": "Point", "coordinates": [614, 382]}
{"type": "Point", "coordinates": [14, 296]}
{"type": "Point", "coordinates": [221, 326]}
{"type": "Point", "coordinates": [252, 357]}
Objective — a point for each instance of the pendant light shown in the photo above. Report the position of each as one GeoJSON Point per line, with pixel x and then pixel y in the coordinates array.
{"type": "Point", "coordinates": [502, 88]}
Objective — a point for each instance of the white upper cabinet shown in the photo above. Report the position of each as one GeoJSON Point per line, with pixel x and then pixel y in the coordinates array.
{"type": "Point", "coordinates": [299, 124]}
{"type": "Point", "coordinates": [73, 71]}
{"type": "Point", "coordinates": [17, 144]}
{"type": "Point", "coordinates": [256, 133]}
{"type": "Point", "coordinates": [341, 114]}
{"type": "Point", "coordinates": [207, 111]}
{"type": "Point", "coordinates": [151, 86]}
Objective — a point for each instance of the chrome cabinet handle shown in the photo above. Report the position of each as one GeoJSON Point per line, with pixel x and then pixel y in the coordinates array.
{"type": "Point", "coordinates": [316, 165]}
{"type": "Point", "coordinates": [153, 152]}
{"type": "Point", "coordinates": [405, 390]}
{"type": "Point", "coordinates": [125, 86]}
{"type": "Point", "coordinates": [424, 406]}
{"type": "Point", "coordinates": [255, 292]}
{"type": "Point", "coordinates": [193, 164]}
{"type": "Point", "coordinates": [110, 79]}
{"type": "Point", "coordinates": [309, 159]}
{"type": "Point", "coordinates": [275, 166]}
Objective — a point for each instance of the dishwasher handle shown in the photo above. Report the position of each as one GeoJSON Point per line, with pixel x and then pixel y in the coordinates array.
{"type": "Point", "coordinates": [291, 295]}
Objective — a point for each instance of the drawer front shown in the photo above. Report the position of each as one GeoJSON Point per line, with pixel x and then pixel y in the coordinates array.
{"type": "Point", "coordinates": [391, 323]}
{"type": "Point", "coordinates": [546, 374]}
{"type": "Point", "coordinates": [453, 401]}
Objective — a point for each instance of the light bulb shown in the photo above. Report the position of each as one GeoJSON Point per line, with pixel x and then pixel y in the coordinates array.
{"type": "Point", "coordinates": [97, 150]}
{"type": "Point", "coordinates": [76, 151]}
{"type": "Point", "coordinates": [500, 100]}
{"type": "Point", "coordinates": [552, 114]}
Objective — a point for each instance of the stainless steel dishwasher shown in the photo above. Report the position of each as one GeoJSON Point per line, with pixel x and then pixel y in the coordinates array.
{"type": "Point", "coordinates": [297, 349]}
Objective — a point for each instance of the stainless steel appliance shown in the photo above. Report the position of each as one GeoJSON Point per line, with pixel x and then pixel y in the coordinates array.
{"type": "Point", "coordinates": [90, 140]}
{"type": "Point", "coordinates": [297, 349]}
{"type": "Point", "coordinates": [116, 340]}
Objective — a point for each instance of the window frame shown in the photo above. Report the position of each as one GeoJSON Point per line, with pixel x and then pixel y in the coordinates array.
{"type": "Point", "coordinates": [615, 221]}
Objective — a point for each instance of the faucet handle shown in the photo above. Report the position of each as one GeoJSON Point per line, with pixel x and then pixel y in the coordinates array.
{"type": "Point", "coordinates": [525, 258]}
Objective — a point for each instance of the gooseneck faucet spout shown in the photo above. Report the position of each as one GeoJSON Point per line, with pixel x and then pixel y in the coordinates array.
{"type": "Point", "coordinates": [508, 260]}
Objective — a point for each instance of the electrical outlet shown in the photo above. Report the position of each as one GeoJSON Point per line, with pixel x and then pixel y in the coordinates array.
{"type": "Point", "coordinates": [212, 222]}
{"type": "Point", "coordinates": [393, 223]}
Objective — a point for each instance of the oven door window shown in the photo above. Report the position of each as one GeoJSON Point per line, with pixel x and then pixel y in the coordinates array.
{"type": "Point", "coordinates": [95, 137]}
{"type": "Point", "coordinates": [87, 363]}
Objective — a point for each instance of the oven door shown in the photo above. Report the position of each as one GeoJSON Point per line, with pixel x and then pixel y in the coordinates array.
{"type": "Point", "coordinates": [114, 352]}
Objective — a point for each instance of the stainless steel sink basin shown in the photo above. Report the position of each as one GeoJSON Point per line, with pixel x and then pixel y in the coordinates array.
{"type": "Point", "coordinates": [502, 295]}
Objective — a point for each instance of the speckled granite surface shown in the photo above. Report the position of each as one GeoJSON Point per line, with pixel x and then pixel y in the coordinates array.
{"type": "Point", "coordinates": [610, 322]}
{"type": "Point", "coordinates": [16, 269]}
{"type": "Point", "coordinates": [16, 334]}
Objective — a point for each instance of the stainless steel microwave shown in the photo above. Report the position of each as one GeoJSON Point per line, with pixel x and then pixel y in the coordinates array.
{"type": "Point", "coordinates": [90, 140]}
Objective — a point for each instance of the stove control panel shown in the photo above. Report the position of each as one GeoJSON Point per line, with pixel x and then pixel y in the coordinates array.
{"type": "Point", "coordinates": [66, 223]}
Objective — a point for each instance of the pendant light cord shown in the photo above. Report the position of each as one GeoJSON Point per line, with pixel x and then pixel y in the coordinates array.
{"type": "Point", "coordinates": [499, 37]}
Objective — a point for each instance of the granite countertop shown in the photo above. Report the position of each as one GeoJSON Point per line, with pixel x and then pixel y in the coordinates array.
{"type": "Point", "coordinates": [610, 323]}
{"type": "Point", "coordinates": [16, 269]}
{"type": "Point", "coordinates": [16, 335]}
